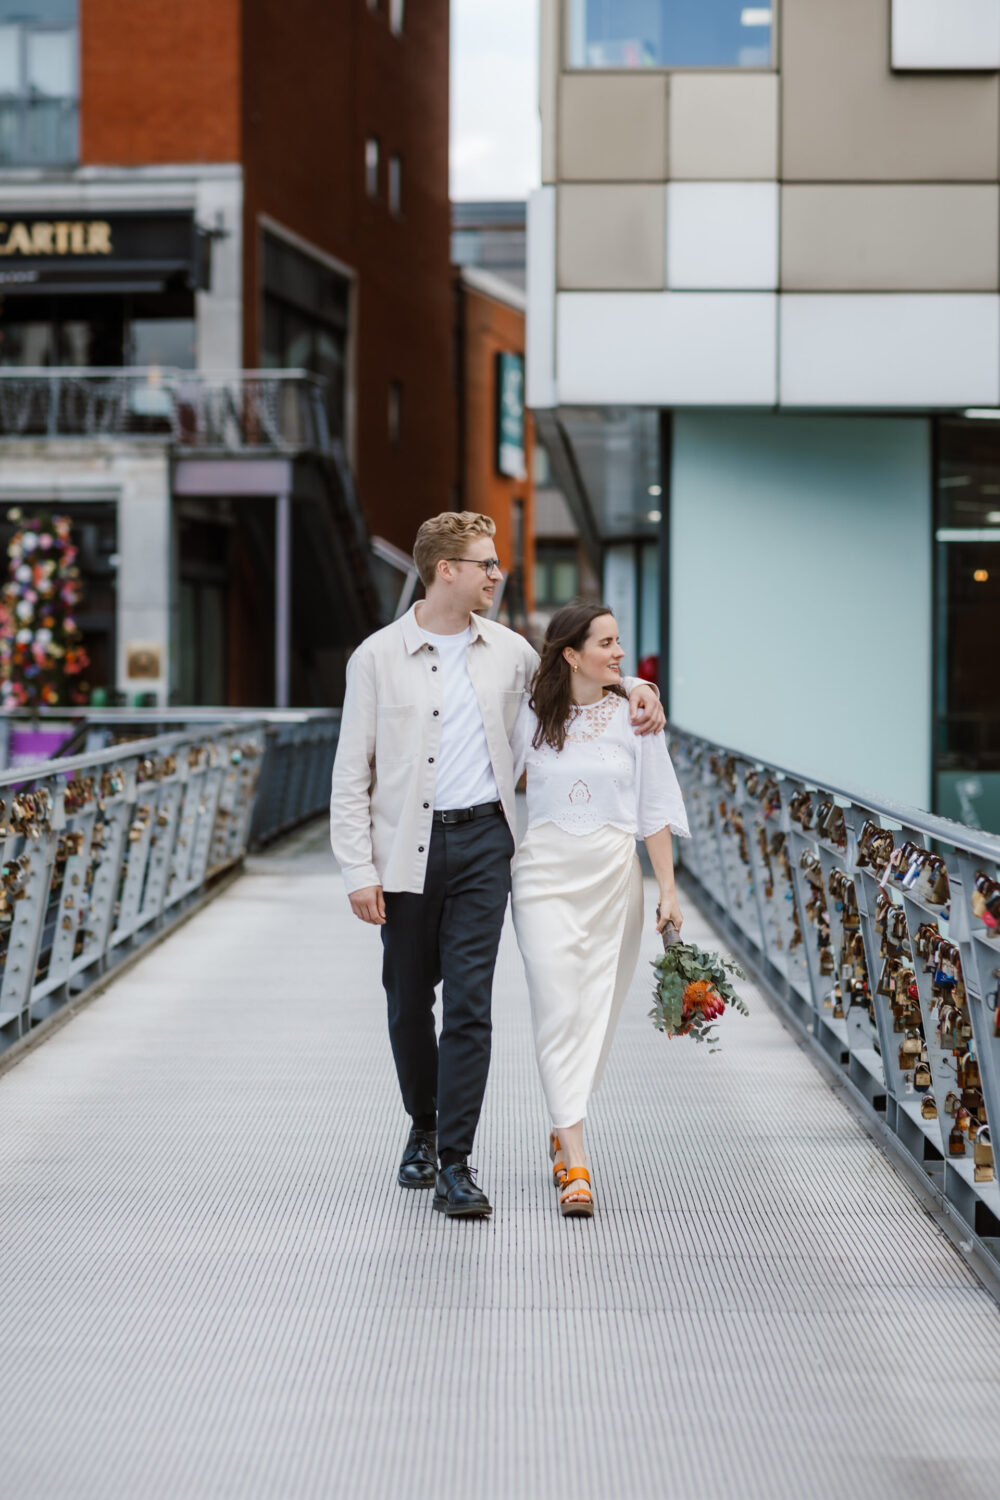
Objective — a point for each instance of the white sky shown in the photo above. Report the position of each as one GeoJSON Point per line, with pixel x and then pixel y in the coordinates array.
{"type": "Point", "coordinates": [494, 98]}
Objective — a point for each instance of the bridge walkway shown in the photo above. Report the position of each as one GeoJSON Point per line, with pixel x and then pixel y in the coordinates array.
{"type": "Point", "coordinates": [211, 1287]}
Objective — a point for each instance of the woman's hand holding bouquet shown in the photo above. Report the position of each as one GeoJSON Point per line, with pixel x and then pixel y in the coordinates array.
{"type": "Point", "coordinates": [692, 988]}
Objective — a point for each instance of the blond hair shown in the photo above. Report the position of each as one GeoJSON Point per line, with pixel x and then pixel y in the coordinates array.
{"type": "Point", "coordinates": [445, 536]}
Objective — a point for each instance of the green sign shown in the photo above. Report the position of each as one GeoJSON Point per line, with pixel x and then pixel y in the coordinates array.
{"type": "Point", "coordinates": [510, 415]}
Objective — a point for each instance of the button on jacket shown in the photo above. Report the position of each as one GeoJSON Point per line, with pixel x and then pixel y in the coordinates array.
{"type": "Point", "coordinates": [382, 805]}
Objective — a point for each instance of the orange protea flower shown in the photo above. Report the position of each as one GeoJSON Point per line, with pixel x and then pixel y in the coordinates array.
{"type": "Point", "coordinates": [699, 994]}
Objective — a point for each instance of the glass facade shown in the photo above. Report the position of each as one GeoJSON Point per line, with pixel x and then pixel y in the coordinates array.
{"type": "Point", "coordinates": [967, 606]}
{"type": "Point", "coordinates": [306, 320]}
{"type": "Point", "coordinates": [557, 573]}
{"type": "Point", "coordinates": [669, 34]}
{"type": "Point", "coordinates": [39, 82]}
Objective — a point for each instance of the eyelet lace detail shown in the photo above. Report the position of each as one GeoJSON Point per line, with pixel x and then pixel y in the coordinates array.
{"type": "Point", "coordinates": [588, 720]}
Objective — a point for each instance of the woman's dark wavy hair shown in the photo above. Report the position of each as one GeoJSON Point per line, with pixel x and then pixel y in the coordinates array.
{"type": "Point", "coordinates": [551, 687]}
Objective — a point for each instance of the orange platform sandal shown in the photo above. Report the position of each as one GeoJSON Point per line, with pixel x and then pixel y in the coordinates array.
{"type": "Point", "coordinates": [555, 1156]}
{"type": "Point", "coordinates": [576, 1202]}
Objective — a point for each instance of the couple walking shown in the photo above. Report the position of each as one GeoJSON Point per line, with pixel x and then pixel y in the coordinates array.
{"type": "Point", "coordinates": [442, 712]}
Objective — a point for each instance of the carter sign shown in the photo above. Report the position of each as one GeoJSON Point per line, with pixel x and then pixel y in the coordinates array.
{"type": "Point", "coordinates": [45, 237]}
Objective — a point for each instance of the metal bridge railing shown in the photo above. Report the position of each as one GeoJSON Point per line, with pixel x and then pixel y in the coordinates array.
{"type": "Point", "coordinates": [299, 747]}
{"type": "Point", "coordinates": [879, 927]}
{"type": "Point", "coordinates": [104, 849]}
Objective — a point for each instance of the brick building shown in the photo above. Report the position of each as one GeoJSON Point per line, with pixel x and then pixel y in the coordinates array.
{"type": "Point", "coordinates": [495, 444]}
{"type": "Point", "coordinates": [272, 184]}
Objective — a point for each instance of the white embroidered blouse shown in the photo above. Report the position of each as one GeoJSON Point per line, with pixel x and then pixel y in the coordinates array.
{"type": "Point", "coordinates": [605, 773]}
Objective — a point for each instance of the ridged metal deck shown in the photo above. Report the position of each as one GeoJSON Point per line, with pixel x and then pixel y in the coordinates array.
{"type": "Point", "coordinates": [211, 1287]}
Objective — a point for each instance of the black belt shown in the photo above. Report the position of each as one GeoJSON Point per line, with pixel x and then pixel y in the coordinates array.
{"type": "Point", "coordinates": [466, 814]}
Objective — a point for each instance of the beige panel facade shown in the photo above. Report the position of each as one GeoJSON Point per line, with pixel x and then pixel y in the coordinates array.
{"type": "Point", "coordinates": [890, 238]}
{"type": "Point", "coordinates": [847, 118]}
{"type": "Point", "coordinates": [611, 237]}
{"type": "Point", "coordinates": [613, 128]}
{"type": "Point", "coordinates": [723, 127]}
{"type": "Point", "coordinates": [549, 63]}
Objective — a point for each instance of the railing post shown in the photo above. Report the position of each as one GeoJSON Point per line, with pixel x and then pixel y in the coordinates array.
{"type": "Point", "coordinates": [282, 599]}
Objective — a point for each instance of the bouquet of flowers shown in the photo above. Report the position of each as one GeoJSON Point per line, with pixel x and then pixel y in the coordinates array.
{"type": "Point", "coordinates": [692, 990]}
{"type": "Point", "coordinates": [42, 656]}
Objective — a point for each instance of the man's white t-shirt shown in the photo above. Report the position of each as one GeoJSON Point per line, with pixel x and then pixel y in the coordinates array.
{"type": "Point", "coordinates": [464, 770]}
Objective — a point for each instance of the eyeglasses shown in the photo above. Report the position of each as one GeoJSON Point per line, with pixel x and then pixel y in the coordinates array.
{"type": "Point", "coordinates": [488, 564]}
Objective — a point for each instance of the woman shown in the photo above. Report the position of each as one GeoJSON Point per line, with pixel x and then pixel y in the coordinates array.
{"type": "Point", "coordinates": [593, 785]}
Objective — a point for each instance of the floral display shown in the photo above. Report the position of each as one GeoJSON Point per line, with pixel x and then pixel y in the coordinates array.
{"type": "Point", "coordinates": [692, 991]}
{"type": "Point", "coordinates": [42, 657]}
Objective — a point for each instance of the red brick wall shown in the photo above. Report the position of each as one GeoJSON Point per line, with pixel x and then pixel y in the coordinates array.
{"type": "Point", "coordinates": [320, 77]}
{"type": "Point", "coordinates": [490, 328]}
{"type": "Point", "coordinates": [292, 88]}
{"type": "Point", "coordinates": [160, 81]}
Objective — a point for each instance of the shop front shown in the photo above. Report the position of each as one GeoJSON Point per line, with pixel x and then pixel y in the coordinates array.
{"type": "Point", "coordinates": [100, 290]}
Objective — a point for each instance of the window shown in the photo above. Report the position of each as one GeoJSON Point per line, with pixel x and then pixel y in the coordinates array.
{"type": "Point", "coordinates": [306, 322]}
{"type": "Point", "coordinates": [39, 87]}
{"type": "Point", "coordinates": [669, 34]}
{"type": "Point", "coordinates": [396, 9]}
{"type": "Point", "coordinates": [395, 411]}
{"type": "Point", "coordinates": [371, 166]}
{"type": "Point", "coordinates": [557, 574]}
{"type": "Point", "coordinates": [86, 329]}
{"type": "Point", "coordinates": [967, 543]}
{"type": "Point", "coordinates": [395, 185]}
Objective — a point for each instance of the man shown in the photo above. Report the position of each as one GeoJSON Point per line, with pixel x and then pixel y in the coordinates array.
{"type": "Point", "coordinates": [422, 819]}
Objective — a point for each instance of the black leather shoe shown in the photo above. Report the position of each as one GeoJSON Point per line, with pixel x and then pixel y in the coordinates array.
{"type": "Point", "coordinates": [456, 1194]}
{"type": "Point", "coordinates": [419, 1165]}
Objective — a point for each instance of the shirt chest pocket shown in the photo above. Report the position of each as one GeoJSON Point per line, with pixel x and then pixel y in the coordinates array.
{"type": "Point", "coordinates": [394, 733]}
{"type": "Point", "coordinates": [510, 705]}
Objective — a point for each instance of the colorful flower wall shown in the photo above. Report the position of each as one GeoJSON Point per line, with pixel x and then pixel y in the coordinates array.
{"type": "Point", "coordinates": [42, 657]}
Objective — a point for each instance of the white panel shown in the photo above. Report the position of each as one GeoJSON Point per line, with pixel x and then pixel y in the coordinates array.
{"type": "Point", "coordinates": [941, 35]}
{"type": "Point", "coordinates": [540, 329]}
{"type": "Point", "coordinates": [220, 309]}
{"type": "Point", "coordinates": [859, 350]}
{"type": "Point", "coordinates": [722, 235]}
{"type": "Point", "coordinates": [667, 348]}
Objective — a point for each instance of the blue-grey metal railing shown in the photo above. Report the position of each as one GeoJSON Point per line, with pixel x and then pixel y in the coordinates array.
{"type": "Point", "coordinates": [298, 753]}
{"type": "Point", "coordinates": [878, 926]}
{"type": "Point", "coordinates": [103, 849]}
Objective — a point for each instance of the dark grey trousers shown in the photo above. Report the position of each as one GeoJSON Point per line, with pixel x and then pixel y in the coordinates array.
{"type": "Point", "coordinates": [450, 932]}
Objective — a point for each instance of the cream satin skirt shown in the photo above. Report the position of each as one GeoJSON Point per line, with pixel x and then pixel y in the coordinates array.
{"type": "Point", "coordinates": [577, 906]}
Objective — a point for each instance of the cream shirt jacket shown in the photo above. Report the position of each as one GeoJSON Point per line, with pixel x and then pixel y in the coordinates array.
{"type": "Point", "coordinates": [382, 804]}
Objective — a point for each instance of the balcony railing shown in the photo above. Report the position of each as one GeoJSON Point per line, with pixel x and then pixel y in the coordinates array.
{"type": "Point", "coordinates": [228, 410]}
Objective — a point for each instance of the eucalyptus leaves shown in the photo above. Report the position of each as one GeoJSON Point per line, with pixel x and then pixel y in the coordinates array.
{"type": "Point", "coordinates": [691, 992]}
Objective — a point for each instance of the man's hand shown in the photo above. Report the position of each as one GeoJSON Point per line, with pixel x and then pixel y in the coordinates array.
{"type": "Point", "coordinates": [369, 904]}
{"type": "Point", "coordinates": [646, 710]}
